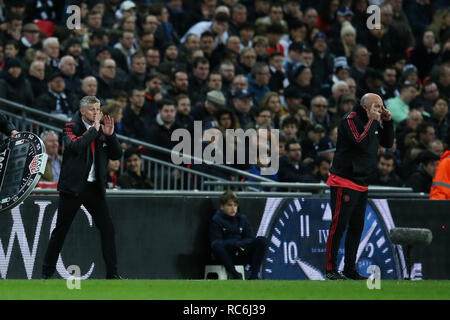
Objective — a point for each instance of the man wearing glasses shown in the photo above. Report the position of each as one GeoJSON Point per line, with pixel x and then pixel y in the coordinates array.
{"type": "Point", "coordinates": [319, 112]}
{"type": "Point", "coordinates": [106, 78]}
{"type": "Point", "coordinates": [359, 134]}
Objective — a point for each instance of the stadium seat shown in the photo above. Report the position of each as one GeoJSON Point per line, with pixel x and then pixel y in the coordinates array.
{"type": "Point", "coordinates": [221, 271]}
{"type": "Point", "coordinates": [46, 27]}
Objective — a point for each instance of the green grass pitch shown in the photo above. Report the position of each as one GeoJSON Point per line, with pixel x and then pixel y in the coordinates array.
{"type": "Point", "coordinates": [221, 290]}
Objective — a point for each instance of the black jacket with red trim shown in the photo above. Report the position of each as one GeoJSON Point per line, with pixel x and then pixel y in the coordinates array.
{"type": "Point", "coordinates": [77, 156]}
{"type": "Point", "coordinates": [357, 145]}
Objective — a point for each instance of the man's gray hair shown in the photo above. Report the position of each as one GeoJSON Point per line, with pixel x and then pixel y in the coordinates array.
{"type": "Point", "coordinates": [357, 48]}
{"type": "Point", "coordinates": [337, 85]}
{"type": "Point", "coordinates": [46, 133]}
{"type": "Point", "coordinates": [88, 100]}
{"type": "Point", "coordinates": [64, 60]}
{"type": "Point", "coordinates": [258, 68]}
{"type": "Point", "coordinates": [49, 40]}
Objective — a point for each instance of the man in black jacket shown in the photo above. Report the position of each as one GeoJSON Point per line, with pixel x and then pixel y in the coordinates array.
{"type": "Point", "coordinates": [57, 100]}
{"type": "Point", "coordinates": [88, 146]}
{"type": "Point", "coordinates": [134, 177]}
{"type": "Point", "coordinates": [385, 174]}
{"type": "Point", "coordinates": [291, 169]}
{"type": "Point", "coordinates": [422, 179]}
{"type": "Point", "coordinates": [359, 134]}
{"type": "Point", "coordinates": [232, 238]}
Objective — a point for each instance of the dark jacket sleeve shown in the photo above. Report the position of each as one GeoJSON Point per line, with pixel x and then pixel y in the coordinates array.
{"type": "Point", "coordinates": [76, 143]}
{"type": "Point", "coordinates": [5, 125]}
{"type": "Point", "coordinates": [113, 147]}
{"type": "Point", "coordinates": [387, 134]}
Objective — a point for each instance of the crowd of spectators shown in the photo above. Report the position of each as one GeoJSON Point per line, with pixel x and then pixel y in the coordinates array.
{"type": "Point", "coordinates": [293, 65]}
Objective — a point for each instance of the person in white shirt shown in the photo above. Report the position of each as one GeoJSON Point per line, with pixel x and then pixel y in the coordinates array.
{"type": "Point", "coordinates": [219, 25]}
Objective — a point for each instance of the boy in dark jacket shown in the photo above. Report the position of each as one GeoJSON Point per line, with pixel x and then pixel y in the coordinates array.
{"type": "Point", "coordinates": [232, 238]}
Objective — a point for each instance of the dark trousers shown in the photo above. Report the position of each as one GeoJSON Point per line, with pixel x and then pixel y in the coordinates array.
{"type": "Point", "coordinates": [68, 206]}
{"type": "Point", "coordinates": [226, 253]}
{"type": "Point", "coordinates": [348, 208]}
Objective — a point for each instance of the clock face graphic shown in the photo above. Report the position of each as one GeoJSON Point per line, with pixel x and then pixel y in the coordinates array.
{"type": "Point", "coordinates": [22, 162]}
{"type": "Point", "coordinates": [298, 230]}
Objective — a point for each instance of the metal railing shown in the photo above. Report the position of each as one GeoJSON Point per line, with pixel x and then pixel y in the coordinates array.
{"type": "Point", "coordinates": [180, 193]}
{"type": "Point", "coordinates": [250, 194]}
{"type": "Point", "coordinates": [164, 175]}
{"type": "Point", "coordinates": [317, 188]}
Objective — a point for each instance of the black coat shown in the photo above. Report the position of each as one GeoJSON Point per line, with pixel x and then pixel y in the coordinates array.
{"type": "Point", "coordinates": [107, 90]}
{"type": "Point", "coordinates": [160, 135]}
{"type": "Point", "coordinates": [134, 81]}
{"type": "Point", "coordinates": [288, 173]}
{"type": "Point", "coordinates": [47, 102]}
{"type": "Point", "coordinates": [196, 90]}
{"type": "Point", "coordinates": [38, 86]}
{"type": "Point", "coordinates": [77, 156]}
{"type": "Point", "coordinates": [129, 180]}
{"type": "Point", "coordinates": [18, 90]}
{"type": "Point", "coordinates": [423, 60]}
{"type": "Point", "coordinates": [420, 181]}
{"type": "Point", "coordinates": [137, 126]}
{"type": "Point", "coordinates": [357, 145]}
{"type": "Point", "coordinates": [383, 51]}
{"type": "Point", "coordinates": [393, 180]}
{"type": "Point", "coordinates": [232, 229]}
{"type": "Point", "coordinates": [5, 125]}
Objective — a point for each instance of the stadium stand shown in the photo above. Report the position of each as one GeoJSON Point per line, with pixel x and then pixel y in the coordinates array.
{"type": "Point", "coordinates": [308, 52]}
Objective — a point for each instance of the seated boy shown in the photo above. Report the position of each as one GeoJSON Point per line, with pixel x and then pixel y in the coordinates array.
{"type": "Point", "coordinates": [232, 238]}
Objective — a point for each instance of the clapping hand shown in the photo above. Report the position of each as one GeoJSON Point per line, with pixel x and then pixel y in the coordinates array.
{"type": "Point", "coordinates": [98, 116]}
{"type": "Point", "coordinates": [108, 127]}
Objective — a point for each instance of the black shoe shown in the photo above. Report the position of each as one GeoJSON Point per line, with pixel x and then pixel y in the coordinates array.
{"type": "Point", "coordinates": [334, 275]}
{"type": "Point", "coordinates": [113, 276]}
{"type": "Point", "coordinates": [353, 275]}
{"type": "Point", "coordinates": [47, 272]}
{"type": "Point", "coordinates": [236, 276]}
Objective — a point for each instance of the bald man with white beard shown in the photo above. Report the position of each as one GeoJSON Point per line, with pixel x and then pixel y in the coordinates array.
{"type": "Point", "coordinates": [360, 133]}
